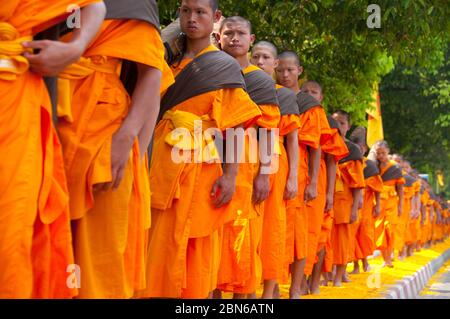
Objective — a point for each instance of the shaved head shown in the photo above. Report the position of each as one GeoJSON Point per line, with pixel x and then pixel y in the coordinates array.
{"type": "Point", "coordinates": [236, 19]}
{"type": "Point", "coordinates": [268, 45]}
{"type": "Point", "coordinates": [214, 4]}
{"type": "Point", "coordinates": [290, 55]}
{"type": "Point", "coordinates": [312, 83]}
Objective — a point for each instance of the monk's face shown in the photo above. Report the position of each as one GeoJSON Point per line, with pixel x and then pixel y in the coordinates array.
{"type": "Point", "coordinates": [197, 18]}
{"type": "Point", "coordinates": [236, 39]}
{"type": "Point", "coordinates": [344, 125]}
{"type": "Point", "coordinates": [382, 154]}
{"type": "Point", "coordinates": [264, 59]}
{"type": "Point", "coordinates": [314, 90]}
{"type": "Point", "coordinates": [288, 72]}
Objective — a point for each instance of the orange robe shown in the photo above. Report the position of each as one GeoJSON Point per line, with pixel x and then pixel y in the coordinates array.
{"type": "Point", "coordinates": [274, 224]}
{"type": "Point", "coordinates": [109, 227]}
{"type": "Point", "coordinates": [184, 248]}
{"type": "Point", "coordinates": [403, 221]}
{"type": "Point", "coordinates": [240, 268]}
{"type": "Point", "coordinates": [365, 235]}
{"type": "Point", "coordinates": [35, 239]}
{"type": "Point", "coordinates": [351, 176]}
{"type": "Point", "coordinates": [411, 234]}
{"type": "Point", "coordinates": [334, 146]}
{"type": "Point", "coordinates": [313, 123]}
{"type": "Point", "coordinates": [388, 219]}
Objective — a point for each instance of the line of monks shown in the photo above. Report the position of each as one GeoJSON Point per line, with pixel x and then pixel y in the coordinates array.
{"type": "Point", "coordinates": [82, 191]}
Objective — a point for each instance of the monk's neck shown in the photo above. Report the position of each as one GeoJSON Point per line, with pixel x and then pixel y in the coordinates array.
{"type": "Point", "coordinates": [243, 61]}
{"type": "Point", "coordinates": [295, 88]}
{"type": "Point", "coordinates": [194, 47]}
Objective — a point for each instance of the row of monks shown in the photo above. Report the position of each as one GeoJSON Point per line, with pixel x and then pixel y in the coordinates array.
{"type": "Point", "coordinates": [85, 212]}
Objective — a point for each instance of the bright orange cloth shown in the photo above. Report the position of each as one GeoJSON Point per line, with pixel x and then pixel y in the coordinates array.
{"type": "Point", "coordinates": [109, 227]}
{"type": "Point", "coordinates": [385, 223]}
{"type": "Point", "coordinates": [350, 176]}
{"type": "Point", "coordinates": [274, 224]}
{"type": "Point", "coordinates": [246, 274]}
{"type": "Point", "coordinates": [35, 239]}
{"type": "Point", "coordinates": [182, 209]}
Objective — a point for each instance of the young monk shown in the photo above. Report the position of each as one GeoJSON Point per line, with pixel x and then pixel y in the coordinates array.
{"type": "Point", "coordinates": [239, 273]}
{"type": "Point", "coordinates": [365, 233]}
{"type": "Point", "coordinates": [314, 127]}
{"type": "Point", "coordinates": [391, 200]}
{"type": "Point", "coordinates": [284, 182]}
{"type": "Point", "coordinates": [413, 225]}
{"type": "Point", "coordinates": [347, 199]}
{"type": "Point", "coordinates": [105, 131]}
{"type": "Point", "coordinates": [333, 150]}
{"type": "Point", "coordinates": [35, 239]}
{"type": "Point", "coordinates": [189, 198]}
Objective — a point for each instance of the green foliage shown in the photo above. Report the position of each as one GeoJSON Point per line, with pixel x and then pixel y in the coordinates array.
{"type": "Point", "coordinates": [416, 117]}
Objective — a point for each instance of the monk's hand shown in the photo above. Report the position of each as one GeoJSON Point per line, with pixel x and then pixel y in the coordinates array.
{"type": "Point", "coordinates": [400, 209]}
{"type": "Point", "coordinates": [223, 190]}
{"type": "Point", "coordinates": [329, 202]}
{"type": "Point", "coordinates": [291, 189]}
{"type": "Point", "coordinates": [310, 192]}
{"type": "Point", "coordinates": [376, 211]}
{"type": "Point", "coordinates": [52, 56]}
{"type": "Point", "coordinates": [353, 216]}
{"type": "Point", "coordinates": [261, 188]}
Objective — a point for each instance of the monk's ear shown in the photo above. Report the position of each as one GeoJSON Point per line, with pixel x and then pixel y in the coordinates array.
{"type": "Point", "coordinates": [300, 70]}
{"type": "Point", "coordinates": [217, 16]}
{"type": "Point", "coordinates": [276, 63]}
{"type": "Point", "coordinates": [252, 38]}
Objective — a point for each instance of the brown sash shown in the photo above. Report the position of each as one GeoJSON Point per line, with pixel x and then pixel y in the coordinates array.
{"type": "Point", "coordinates": [332, 122]}
{"type": "Point", "coordinates": [393, 172]}
{"type": "Point", "coordinates": [261, 88]}
{"type": "Point", "coordinates": [371, 169]}
{"type": "Point", "coordinates": [306, 102]}
{"type": "Point", "coordinates": [409, 180]}
{"type": "Point", "coordinates": [144, 10]}
{"type": "Point", "coordinates": [210, 71]}
{"type": "Point", "coordinates": [288, 101]}
{"type": "Point", "coordinates": [354, 155]}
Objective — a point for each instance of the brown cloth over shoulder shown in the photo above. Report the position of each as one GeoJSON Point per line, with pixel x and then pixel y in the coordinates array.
{"type": "Point", "coordinates": [393, 172]}
{"type": "Point", "coordinates": [409, 180]}
{"type": "Point", "coordinates": [354, 155]}
{"type": "Point", "coordinates": [371, 169]}
{"type": "Point", "coordinates": [332, 122]}
{"type": "Point", "coordinates": [261, 88]}
{"type": "Point", "coordinates": [210, 71]}
{"type": "Point", "coordinates": [288, 101]}
{"type": "Point", "coordinates": [306, 102]}
{"type": "Point", "coordinates": [145, 10]}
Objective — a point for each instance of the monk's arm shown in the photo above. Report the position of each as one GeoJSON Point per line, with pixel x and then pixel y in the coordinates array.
{"type": "Point", "coordinates": [313, 172]}
{"type": "Point", "coordinates": [377, 204]}
{"type": "Point", "coordinates": [291, 188]}
{"type": "Point", "coordinates": [357, 196]}
{"type": "Point", "coordinates": [261, 184]}
{"type": "Point", "coordinates": [54, 56]}
{"type": "Point", "coordinates": [224, 187]}
{"type": "Point", "coordinates": [399, 189]}
{"type": "Point", "coordinates": [331, 180]}
{"type": "Point", "coordinates": [423, 210]}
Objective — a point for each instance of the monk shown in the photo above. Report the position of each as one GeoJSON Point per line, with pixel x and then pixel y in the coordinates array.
{"type": "Point", "coordinates": [35, 240]}
{"type": "Point", "coordinates": [190, 189]}
{"type": "Point", "coordinates": [105, 127]}
{"type": "Point", "coordinates": [347, 201]}
{"type": "Point", "coordinates": [365, 233]}
{"type": "Point", "coordinates": [391, 200]}
{"type": "Point", "coordinates": [284, 183]}
{"type": "Point", "coordinates": [316, 209]}
{"type": "Point", "coordinates": [313, 130]}
{"type": "Point", "coordinates": [240, 266]}
{"type": "Point", "coordinates": [412, 228]}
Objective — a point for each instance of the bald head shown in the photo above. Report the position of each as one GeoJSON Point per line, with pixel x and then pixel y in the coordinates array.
{"type": "Point", "coordinates": [290, 55]}
{"type": "Point", "coordinates": [236, 19]}
{"type": "Point", "coordinates": [266, 45]}
{"type": "Point", "coordinates": [214, 4]}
